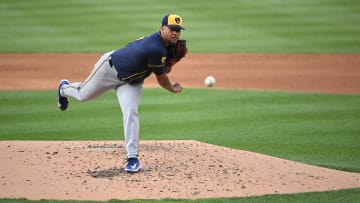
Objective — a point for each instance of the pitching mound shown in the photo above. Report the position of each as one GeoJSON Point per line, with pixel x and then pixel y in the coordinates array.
{"type": "Point", "coordinates": [171, 169]}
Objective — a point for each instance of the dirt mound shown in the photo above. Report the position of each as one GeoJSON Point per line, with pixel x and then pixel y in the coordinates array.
{"type": "Point", "coordinates": [171, 169]}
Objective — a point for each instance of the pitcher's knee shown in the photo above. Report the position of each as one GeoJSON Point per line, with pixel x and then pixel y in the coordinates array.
{"type": "Point", "coordinates": [130, 112]}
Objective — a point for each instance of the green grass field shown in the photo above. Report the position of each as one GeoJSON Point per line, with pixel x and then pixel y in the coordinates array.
{"type": "Point", "coordinates": [348, 196]}
{"type": "Point", "coordinates": [272, 26]}
{"type": "Point", "coordinates": [319, 129]}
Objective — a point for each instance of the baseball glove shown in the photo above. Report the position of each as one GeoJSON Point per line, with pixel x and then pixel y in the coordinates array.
{"type": "Point", "coordinates": [176, 52]}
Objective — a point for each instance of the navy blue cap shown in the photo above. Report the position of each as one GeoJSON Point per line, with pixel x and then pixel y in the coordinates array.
{"type": "Point", "coordinates": [173, 21]}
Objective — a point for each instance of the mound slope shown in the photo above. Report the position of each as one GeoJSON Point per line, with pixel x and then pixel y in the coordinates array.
{"type": "Point", "coordinates": [171, 169]}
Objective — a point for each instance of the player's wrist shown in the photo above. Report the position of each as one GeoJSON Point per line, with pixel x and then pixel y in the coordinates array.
{"type": "Point", "coordinates": [176, 88]}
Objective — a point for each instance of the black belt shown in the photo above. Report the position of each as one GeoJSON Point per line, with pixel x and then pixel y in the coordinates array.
{"type": "Point", "coordinates": [110, 63]}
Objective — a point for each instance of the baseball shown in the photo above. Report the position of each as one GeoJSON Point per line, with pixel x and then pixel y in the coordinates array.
{"type": "Point", "coordinates": [210, 81]}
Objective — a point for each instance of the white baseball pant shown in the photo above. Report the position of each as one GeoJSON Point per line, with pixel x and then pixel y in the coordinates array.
{"type": "Point", "coordinates": [102, 78]}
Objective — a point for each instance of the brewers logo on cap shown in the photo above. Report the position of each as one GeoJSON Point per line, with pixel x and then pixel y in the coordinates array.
{"type": "Point", "coordinates": [173, 21]}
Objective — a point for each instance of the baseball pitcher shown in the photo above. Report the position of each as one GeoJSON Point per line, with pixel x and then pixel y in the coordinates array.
{"type": "Point", "coordinates": [125, 70]}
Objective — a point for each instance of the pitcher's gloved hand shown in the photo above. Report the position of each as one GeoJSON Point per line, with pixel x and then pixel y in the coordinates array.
{"type": "Point", "coordinates": [175, 53]}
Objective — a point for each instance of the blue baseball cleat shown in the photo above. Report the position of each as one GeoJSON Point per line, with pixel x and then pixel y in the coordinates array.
{"type": "Point", "coordinates": [62, 101]}
{"type": "Point", "coordinates": [133, 165]}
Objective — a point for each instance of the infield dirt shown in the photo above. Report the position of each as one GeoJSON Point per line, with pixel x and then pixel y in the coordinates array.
{"type": "Point", "coordinates": [171, 169]}
{"type": "Point", "coordinates": [287, 72]}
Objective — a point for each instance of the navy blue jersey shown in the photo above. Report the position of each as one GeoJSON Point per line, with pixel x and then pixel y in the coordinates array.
{"type": "Point", "coordinates": [138, 59]}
